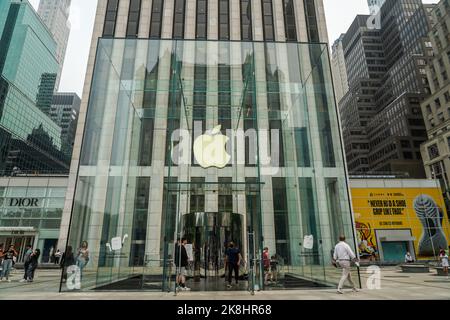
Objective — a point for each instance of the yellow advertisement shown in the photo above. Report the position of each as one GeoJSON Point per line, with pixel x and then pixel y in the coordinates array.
{"type": "Point", "coordinates": [392, 222]}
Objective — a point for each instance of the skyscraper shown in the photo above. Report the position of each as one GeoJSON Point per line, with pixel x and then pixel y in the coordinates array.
{"type": "Point", "coordinates": [375, 5]}
{"type": "Point", "coordinates": [339, 69]}
{"type": "Point", "coordinates": [64, 111]}
{"type": "Point", "coordinates": [55, 14]}
{"type": "Point", "coordinates": [29, 139]}
{"type": "Point", "coordinates": [381, 117]}
{"type": "Point", "coordinates": [436, 150]}
{"type": "Point", "coordinates": [211, 120]}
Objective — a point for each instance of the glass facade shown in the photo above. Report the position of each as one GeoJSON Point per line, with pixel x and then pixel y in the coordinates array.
{"type": "Point", "coordinates": [30, 213]}
{"type": "Point", "coordinates": [148, 173]}
{"type": "Point", "coordinates": [29, 139]}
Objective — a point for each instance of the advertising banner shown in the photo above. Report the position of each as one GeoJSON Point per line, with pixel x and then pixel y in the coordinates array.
{"type": "Point", "coordinates": [400, 220]}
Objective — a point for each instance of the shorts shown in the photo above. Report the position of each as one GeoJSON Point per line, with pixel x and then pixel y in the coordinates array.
{"type": "Point", "coordinates": [181, 271]}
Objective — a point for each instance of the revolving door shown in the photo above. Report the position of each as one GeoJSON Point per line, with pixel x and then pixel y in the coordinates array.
{"type": "Point", "coordinates": [210, 233]}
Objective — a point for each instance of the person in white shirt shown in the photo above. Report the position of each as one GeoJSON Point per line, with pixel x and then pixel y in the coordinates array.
{"type": "Point", "coordinates": [408, 258]}
{"type": "Point", "coordinates": [343, 255]}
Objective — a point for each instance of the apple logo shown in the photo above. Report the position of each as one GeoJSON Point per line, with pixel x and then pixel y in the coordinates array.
{"type": "Point", "coordinates": [209, 149]}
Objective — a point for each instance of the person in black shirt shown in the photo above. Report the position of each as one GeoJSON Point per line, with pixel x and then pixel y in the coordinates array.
{"type": "Point", "coordinates": [32, 265]}
{"type": "Point", "coordinates": [67, 260]}
{"type": "Point", "coordinates": [232, 260]}
{"type": "Point", "coordinates": [181, 263]}
{"type": "Point", "coordinates": [8, 258]}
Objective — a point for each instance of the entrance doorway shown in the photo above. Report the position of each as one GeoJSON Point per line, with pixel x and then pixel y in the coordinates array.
{"type": "Point", "coordinates": [208, 235]}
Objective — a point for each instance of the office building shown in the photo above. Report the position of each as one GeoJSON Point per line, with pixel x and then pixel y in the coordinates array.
{"type": "Point", "coordinates": [381, 116]}
{"type": "Point", "coordinates": [64, 112]}
{"type": "Point", "coordinates": [55, 14]}
{"type": "Point", "coordinates": [29, 140]}
{"type": "Point", "coordinates": [339, 69]}
{"type": "Point", "coordinates": [435, 109]}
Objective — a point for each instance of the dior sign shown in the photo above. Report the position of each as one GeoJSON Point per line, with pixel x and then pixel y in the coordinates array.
{"type": "Point", "coordinates": [24, 202]}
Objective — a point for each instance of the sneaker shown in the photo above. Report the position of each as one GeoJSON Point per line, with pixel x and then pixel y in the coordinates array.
{"type": "Point", "coordinates": [340, 292]}
{"type": "Point", "coordinates": [229, 286]}
{"type": "Point", "coordinates": [22, 280]}
{"type": "Point", "coordinates": [356, 290]}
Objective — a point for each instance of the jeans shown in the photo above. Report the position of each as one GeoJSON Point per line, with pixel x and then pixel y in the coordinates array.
{"type": "Point", "coordinates": [81, 263]}
{"type": "Point", "coordinates": [30, 271]}
{"type": "Point", "coordinates": [25, 269]}
{"type": "Point", "coordinates": [231, 267]}
{"type": "Point", "coordinates": [7, 266]}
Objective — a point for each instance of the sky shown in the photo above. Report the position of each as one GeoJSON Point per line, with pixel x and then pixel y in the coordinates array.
{"type": "Point", "coordinates": [339, 14]}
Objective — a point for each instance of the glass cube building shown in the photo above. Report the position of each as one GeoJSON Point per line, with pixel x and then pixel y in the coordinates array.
{"type": "Point", "coordinates": [193, 126]}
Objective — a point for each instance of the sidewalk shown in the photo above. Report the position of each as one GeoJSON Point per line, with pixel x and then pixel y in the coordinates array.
{"type": "Point", "coordinates": [394, 286]}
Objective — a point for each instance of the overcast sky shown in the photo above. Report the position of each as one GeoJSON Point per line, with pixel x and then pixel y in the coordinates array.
{"type": "Point", "coordinates": [339, 14]}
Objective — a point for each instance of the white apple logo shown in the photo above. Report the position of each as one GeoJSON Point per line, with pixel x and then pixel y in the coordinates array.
{"type": "Point", "coordinates": [209, 149]}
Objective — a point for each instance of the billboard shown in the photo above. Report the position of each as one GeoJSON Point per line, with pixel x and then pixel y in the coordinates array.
{"type": "Point", "coordinates": [392, 221]}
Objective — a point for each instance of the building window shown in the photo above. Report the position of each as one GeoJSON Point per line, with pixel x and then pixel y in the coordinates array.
{"type": "Point", "coordinates": [289, 20]}
{"type": "Point", "coordinates": [110, 19]}
{"type": "Point", "coordinates": [133, 18]}
{"type": "Point", "coordinates": [311, 20]}
{"type": "Point", "coordinates": [202, 19]}
{"type": "Point", "coordinates": [433, 151]}
{"type": "Point", "coordinates": [246, 20]}
{"type": "Point", "coordinates": [178, 19]}
{"type": "Point", "coordinates": [224, 20]}
{"type": "Point", "coordinates": [157, 16]}
{"type": "Point", "coordinates": [267, 11]}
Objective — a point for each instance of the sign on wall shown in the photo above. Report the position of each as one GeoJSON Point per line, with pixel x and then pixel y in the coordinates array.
{"type": "Point", "coordinates": [420, 210]}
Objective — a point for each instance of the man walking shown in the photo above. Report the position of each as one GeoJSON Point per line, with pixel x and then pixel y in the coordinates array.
{"type": "Point", "coordinates": [26, 262]}
{"type": "Point", "coordinates": [181, 262]}
{"type": "Point", "coordinates": [343, 255]}
{"type": "Point", "coordinates": [232, 260]}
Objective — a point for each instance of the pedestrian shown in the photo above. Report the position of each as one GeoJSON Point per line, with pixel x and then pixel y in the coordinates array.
{"type": "Point", "coordinates": [274, 268]}
{"type": "Point", "coordinates": [181, 263]}
{"type": "Point", "coordinates": [50, 255]}
{"type": "Point", "coordinates": [57, 256]}
{"type": "Point", "coordinates": [26, 262]}
{"type": "Point", "coordinates": [343, 255]}
{"type": "Point", "coordinates": [443, 256]}
{"type": "Point", "coordinates": [82, 257]}
{"type": "Point", "coordinates": [233, 260]}
{"type": "Point", "coordinates": [266, 264]}
{"type": "Point", "coordinates": [33, 264]}
{"type": "Point", "coordinates": [1, 259]}
{"type": "Point", "coordinates": [8, 258]}
{"type": "Point", "coordinates": [67, 260]}
{"type": "Point", "coordinates": [408, 258]}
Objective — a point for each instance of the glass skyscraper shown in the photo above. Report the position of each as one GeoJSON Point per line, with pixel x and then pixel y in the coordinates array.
{"type": "Point", "coordinates": [29, 140]}
{"type": "Point", "coordinates": [214, 121]}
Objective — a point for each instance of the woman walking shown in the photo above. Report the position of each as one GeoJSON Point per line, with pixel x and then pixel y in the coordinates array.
{"type": "Point", "coordinates": [82, 257]}
{"type": "Point", "coordinates": [8, 258]}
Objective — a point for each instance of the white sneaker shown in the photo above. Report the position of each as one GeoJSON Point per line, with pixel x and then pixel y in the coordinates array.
{"type": "Point", "coordinates": [356, 290]}
{"type": "Point", "coordinates": [22, 280]}
{"type": "Point", "coordinates": [340, 292]}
